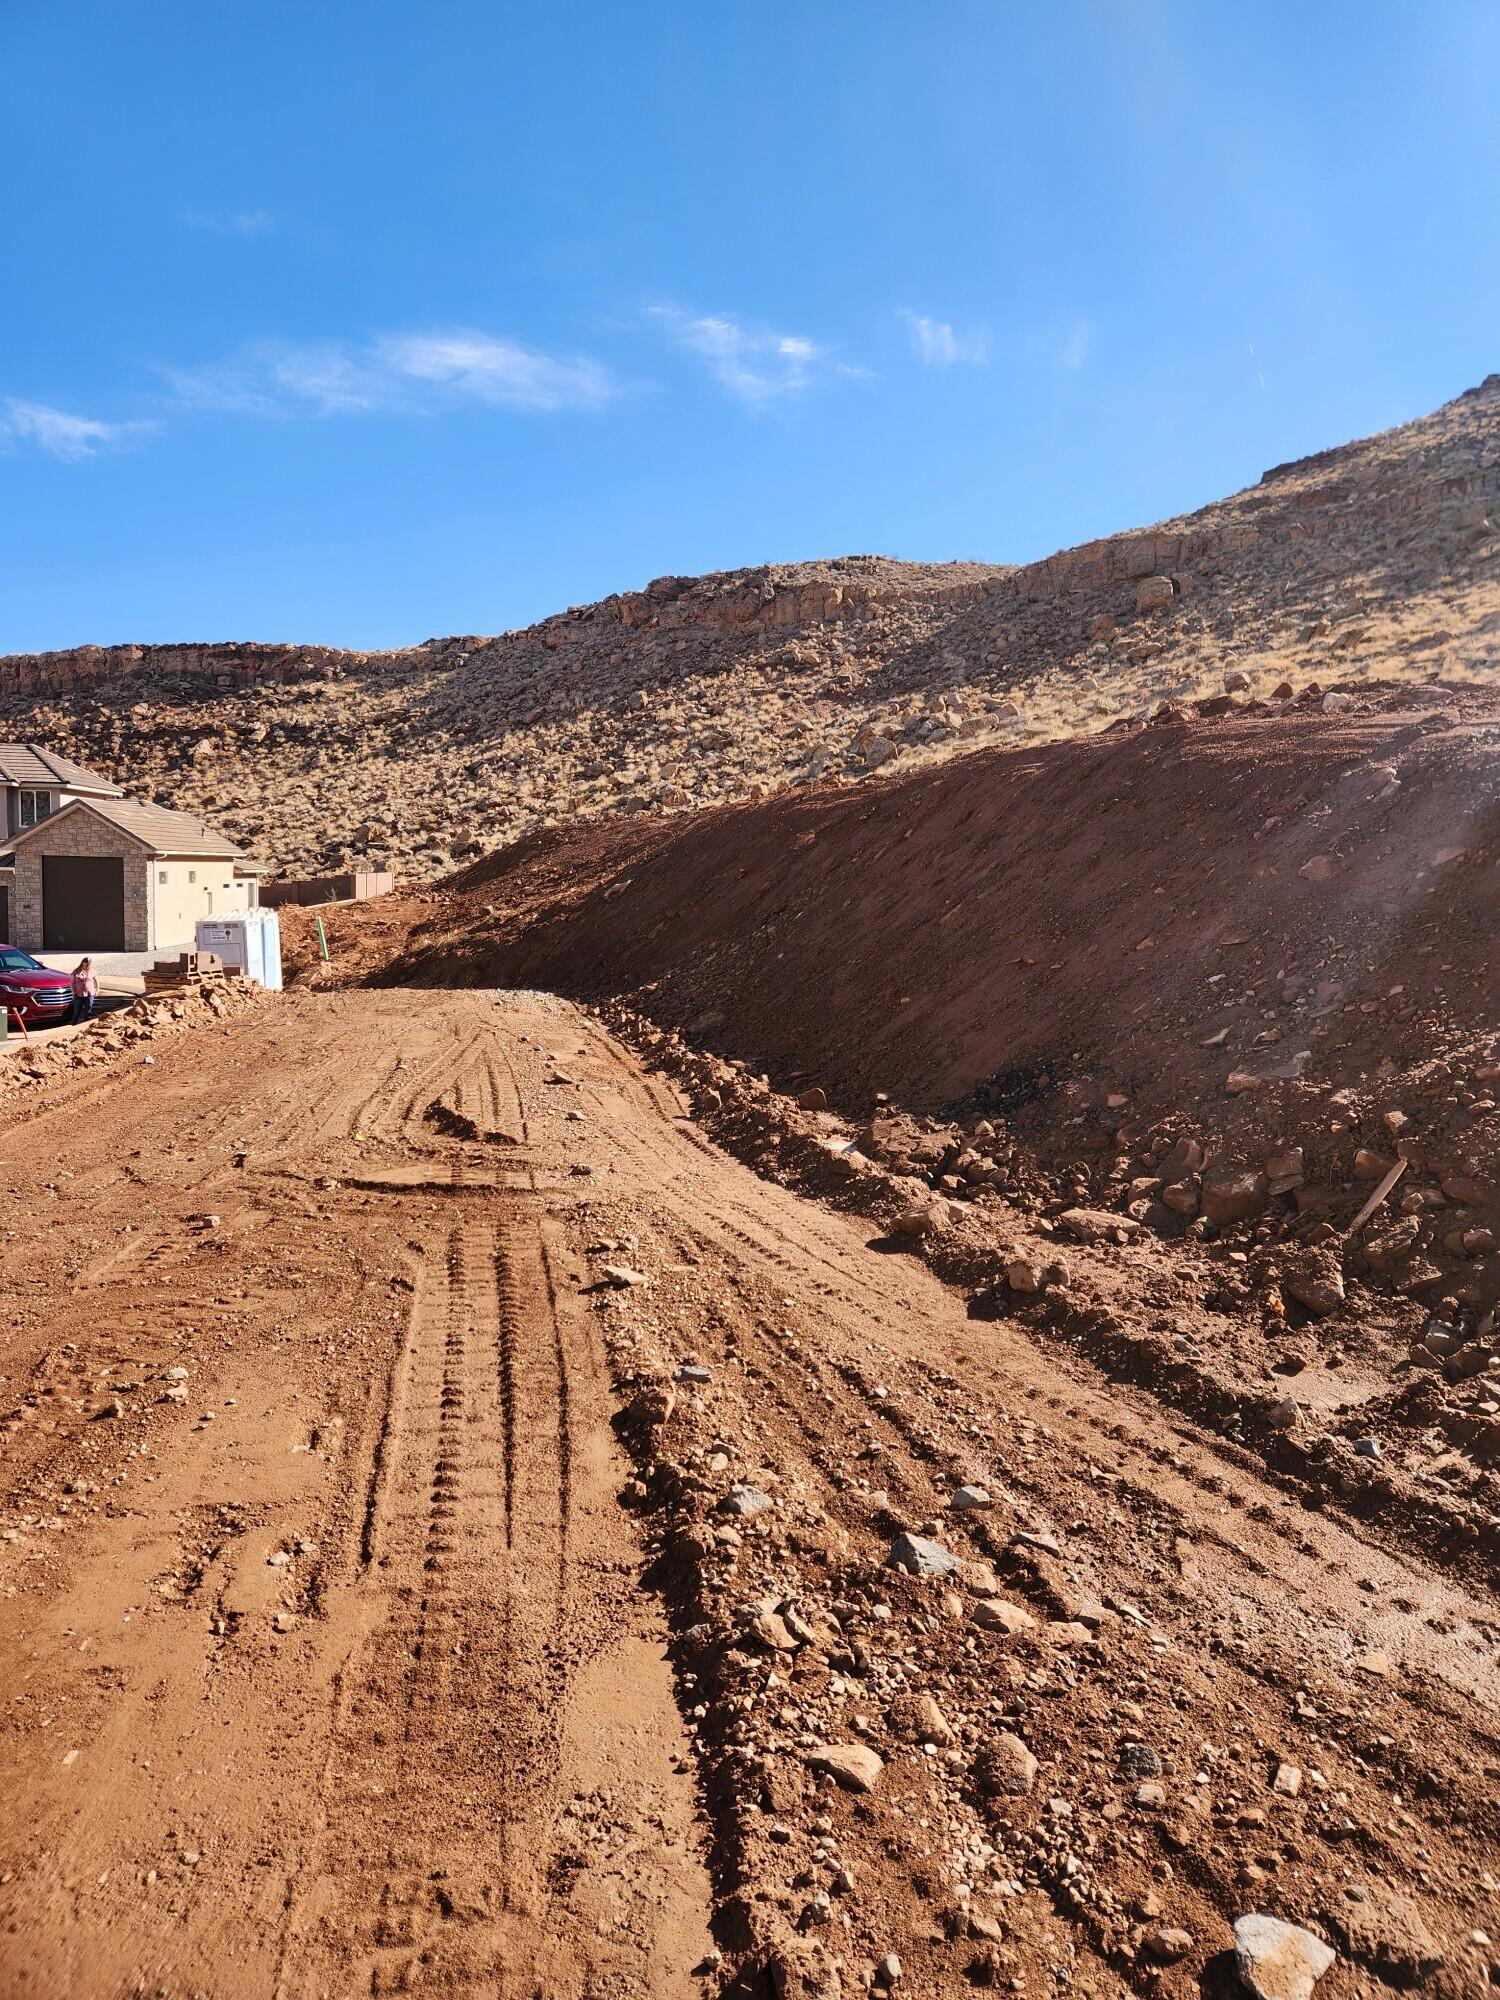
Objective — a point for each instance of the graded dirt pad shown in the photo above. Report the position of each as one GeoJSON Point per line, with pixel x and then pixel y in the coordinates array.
{"type": "Point", "coordinates": [447, 1518]}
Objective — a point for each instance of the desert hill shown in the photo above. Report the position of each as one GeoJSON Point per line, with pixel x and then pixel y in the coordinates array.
{"type": "Point", "coordinates": [1370, 561]}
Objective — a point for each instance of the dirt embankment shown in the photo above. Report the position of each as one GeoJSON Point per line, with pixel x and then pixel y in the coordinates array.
{"type": "Point", "coordinates": [1274, 896]}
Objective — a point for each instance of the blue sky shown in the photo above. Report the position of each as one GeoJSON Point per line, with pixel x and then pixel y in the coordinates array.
{"type": "Point", "coordinates": [364, 322]}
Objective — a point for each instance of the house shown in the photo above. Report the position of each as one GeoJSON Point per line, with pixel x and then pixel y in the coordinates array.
{"type": "Point", "coordinates": [36, 783]}
{"type": "Point", "coordinates": [100, 872]}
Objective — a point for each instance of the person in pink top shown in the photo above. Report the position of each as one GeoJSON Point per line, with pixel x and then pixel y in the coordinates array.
{"type": "Point", "coordinates": [85, 990]}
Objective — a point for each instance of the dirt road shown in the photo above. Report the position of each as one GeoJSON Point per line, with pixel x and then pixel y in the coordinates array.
{"type": "Point", "coordinates": [354, 1641]}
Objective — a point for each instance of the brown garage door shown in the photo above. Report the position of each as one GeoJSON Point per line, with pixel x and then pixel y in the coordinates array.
{"type": "Point", "coordinates": [83, 902]}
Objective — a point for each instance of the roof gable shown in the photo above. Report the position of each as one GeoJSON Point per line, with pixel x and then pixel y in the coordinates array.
{"type": "Point", "coordinates": [158, 829]}
{"type": "Point", "coordinates": [28, 764]}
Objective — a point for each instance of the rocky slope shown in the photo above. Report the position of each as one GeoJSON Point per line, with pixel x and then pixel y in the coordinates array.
{"type": "Point", "coordinates": [1372, 560]}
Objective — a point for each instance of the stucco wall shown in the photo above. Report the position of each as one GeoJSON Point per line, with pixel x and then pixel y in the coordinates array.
{"type": "Point", "coordinates": [184, 891]}
{"type": "Point", "coordinates": [80, 834]}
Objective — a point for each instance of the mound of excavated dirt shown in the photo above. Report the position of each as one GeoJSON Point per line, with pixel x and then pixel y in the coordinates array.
{"type": "Point", "coordinates": [1375, 560]}
{"type": "Point", "coordinates": [1212, 977]}
{"type": "Point", "coordinates": [1261, 896]}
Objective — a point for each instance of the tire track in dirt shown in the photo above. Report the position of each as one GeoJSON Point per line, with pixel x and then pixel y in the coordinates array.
{"type": "Point", "coordinates": [433, 1614]}
{"type": "Point", "coordinates": [449, 1742]}
{"type": "Point", "coordinates": [460, 1617]}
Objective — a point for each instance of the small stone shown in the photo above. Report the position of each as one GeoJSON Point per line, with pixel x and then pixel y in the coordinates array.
{"type": "Point", "coordinates": [813, 1100]}
{"type": "Point", "coordinates": [998, 1614]}
{"type": "Point", "coordinates": [773, 1632]}
{"type": "Point", "coordinates": [1068, 1632]}
{"type": "Point", "coordinates": [1277, 1960]}
{"type": "Point", "coordinates": [915, 1222]}
{"type": "Point", "coordinates": [1139, 1760]}
{"type": "Point", "coordinates": [1233, 1197]}
{"type": "Point", "coordinates": [969, 1499]}
{"type": "Point", "coordinates": [691, 1371]}
{"type": "Point", "coordinates": [1150, 1796]}
{"type": "Point", "coordinates": [854, 1765]}
{"type": "Point", "coordinates": [1288, 1780]}
{"type": "Point", "coordinates": [1029, 1538]}
{"type": "Point", "coordinates": [1168, 1945]}
{"type": "Point", "coordinates": [1367, 1447]}
{"type": "Point", "coordinates": [621, 1276]}
{"type": "Point", "coordinates": [888, 1972]}
{"type": "Point", "coordinates": [1005, 1768]}
{"type": "Point", "coordinates": [746, 1501]}
{"type": "Point", "coordinates": [1098, 1225]}
{"type": "Point", "coordinates": [916, 1718]}
{"type": "Point", "coordinates": [1315, 1279]}
{"type": "Point", "coordinates": [920, 1557]}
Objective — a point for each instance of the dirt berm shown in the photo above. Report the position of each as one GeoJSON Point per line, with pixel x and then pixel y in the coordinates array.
{"type": "Point", "coordinates": [1275, 894]}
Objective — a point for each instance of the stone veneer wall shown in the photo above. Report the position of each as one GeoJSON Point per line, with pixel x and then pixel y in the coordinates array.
{"type": "Point", "coordinates": [82, 834]}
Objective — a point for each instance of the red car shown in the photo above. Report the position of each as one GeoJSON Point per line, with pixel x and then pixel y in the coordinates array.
{"type": "Point", "coordinates": [33, 993]}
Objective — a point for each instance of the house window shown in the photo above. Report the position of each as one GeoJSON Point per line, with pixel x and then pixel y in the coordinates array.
{"type": "Point", "coordinates": [161, 876]}
{"type": "Point", "coordinates": [192, 874]}
{"type": "Point", "coordinates": [35, 807]}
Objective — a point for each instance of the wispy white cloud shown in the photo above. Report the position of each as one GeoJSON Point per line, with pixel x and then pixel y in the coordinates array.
{"type": "Point", "coordinates": [937, 345]}
{"type": "Point", "coordinates": [756, 366]}
{"type": "Point", "coordinates": [410, 371]}
{"type": "Point", "coordinates": [1068, 343]}
{"type": "Point", "coordinates": [60, 432]}
{"type": "Point", "coordinates": [230, 221]}
{"type": "Point", "coordinates": [495, 371]}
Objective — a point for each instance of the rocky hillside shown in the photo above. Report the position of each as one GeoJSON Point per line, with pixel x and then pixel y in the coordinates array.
{"type": "Point", "coordinates": [1372, 560]}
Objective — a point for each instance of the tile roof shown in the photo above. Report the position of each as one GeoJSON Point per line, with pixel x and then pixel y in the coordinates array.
{"type": "Point", "coordinates": [26, 764]}
{"type": "Point", "coordinates": [157, 827]}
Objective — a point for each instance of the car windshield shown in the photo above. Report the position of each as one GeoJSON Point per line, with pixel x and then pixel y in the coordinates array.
{"type": "Point", "coordinates": [12, 960]}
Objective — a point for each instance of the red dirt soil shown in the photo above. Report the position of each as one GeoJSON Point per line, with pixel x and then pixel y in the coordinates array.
{"type": "Point", "coordinates": [346, 1651]}
{"type": "Point", "coordinates": [1198, 984]}
{"type": "Point", "coordinates": [1140, 914]}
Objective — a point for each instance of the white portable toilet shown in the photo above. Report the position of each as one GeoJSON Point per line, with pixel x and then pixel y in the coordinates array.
{"type": "Point", "coordinates": [250, 939]}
